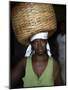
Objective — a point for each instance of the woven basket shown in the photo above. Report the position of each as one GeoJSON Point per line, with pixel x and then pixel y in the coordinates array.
{"type": "Point", "coordinates": [31, 18]}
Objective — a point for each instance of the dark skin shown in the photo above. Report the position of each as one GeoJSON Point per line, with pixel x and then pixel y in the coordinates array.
{"type": "Point", "coordinates": [40, 58]}
{"type": "Point", "coordinates": [39, 63]}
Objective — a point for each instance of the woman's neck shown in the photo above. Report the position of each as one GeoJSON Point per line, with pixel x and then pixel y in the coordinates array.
{"type": "Point", "coordinates": [40, 57]}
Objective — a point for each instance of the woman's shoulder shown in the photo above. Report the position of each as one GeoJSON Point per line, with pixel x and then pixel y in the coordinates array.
{"type": "Point", "coordinates": [24, 59]}
{"type": "Point", "coordinates": [55, 63]}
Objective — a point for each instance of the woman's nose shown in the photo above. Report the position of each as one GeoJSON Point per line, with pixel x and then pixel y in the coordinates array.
{"type": "Point", "coordinates": [39, 43]}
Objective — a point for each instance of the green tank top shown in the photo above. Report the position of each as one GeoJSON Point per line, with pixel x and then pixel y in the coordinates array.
{"type": "Point", "coordinates": [31, 79]}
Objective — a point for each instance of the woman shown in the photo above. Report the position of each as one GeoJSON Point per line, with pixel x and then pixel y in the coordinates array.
{"type": "Point", "coordinates": [35, 23]}
{"type": "Point", "coordinates": [39, 69]}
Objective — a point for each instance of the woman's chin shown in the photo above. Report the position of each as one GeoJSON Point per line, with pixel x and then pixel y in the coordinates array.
{"type": "Point", "coordinates": [40, 53]}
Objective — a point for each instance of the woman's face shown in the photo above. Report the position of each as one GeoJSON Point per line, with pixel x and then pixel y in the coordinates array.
{"type": "Point", "coordinates": [39, 46]}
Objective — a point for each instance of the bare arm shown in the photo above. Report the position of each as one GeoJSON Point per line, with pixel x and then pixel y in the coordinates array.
{"type": "Point", "coordinates": [19, 70]}
{"type": "Point", "coordinates": [56, 73]}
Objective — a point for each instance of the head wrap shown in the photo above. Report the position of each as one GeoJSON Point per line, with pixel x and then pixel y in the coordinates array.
{"type": "Point", "coordinates": [42, 35]}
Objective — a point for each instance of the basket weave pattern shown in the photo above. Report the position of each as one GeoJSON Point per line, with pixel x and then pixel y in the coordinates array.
{"type": "Point", "coordinates": [31, 18]}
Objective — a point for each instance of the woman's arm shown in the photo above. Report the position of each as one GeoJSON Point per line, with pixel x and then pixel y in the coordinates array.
{"type": "Point", "coordinates": [56, 74]}
{"type": "Point", "coordinates": [18, 72]}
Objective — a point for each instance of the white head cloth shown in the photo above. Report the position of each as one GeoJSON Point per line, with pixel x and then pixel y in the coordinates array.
{"type": "Point", "coordinates": [42, 35]}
